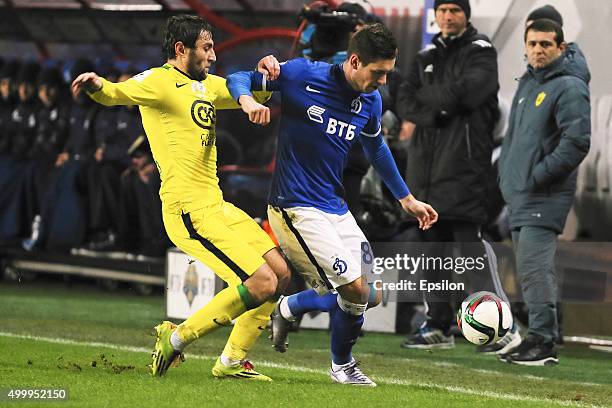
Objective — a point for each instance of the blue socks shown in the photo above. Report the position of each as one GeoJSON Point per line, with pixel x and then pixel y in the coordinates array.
{"type": "Point", "coordinates": [310, 300]}
{"type": "Point", "coordinates": [345, 329]}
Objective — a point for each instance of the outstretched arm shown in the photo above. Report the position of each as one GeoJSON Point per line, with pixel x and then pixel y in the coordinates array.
{"type": "Point", "coordinates": [378, 153]}
{"type": "Point", "coordinates": [138, 90]}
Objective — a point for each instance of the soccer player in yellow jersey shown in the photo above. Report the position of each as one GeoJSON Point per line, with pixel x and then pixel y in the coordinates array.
{"type": "Point", "coordinates": [177, 103]}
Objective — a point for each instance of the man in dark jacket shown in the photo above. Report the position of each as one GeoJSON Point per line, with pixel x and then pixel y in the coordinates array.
{"type": "Point", "coordinates": [575, 62]}
{"type": "Point", "coordinates": [50, 136]}
{"type": "Point", "coordinates": [8, 101]}
{"type": "Point", "coordinates": [9, 169]}
{"type": "Point", "coordinates": [24, 115]}
{"type": "Point", "coordinates": [14, 218]}
{"type": "Point", "coordinates": [63, 214]}
{"type": "Point", "coordinates": [449, 106]}
{"type": "Point", "coordinates": [548, 136]}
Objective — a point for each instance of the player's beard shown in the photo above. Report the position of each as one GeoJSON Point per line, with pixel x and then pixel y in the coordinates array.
{"type": "Point", "coordinates": [192, 68]}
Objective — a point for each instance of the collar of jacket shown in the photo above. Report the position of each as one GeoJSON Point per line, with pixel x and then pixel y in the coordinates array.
{"type": "Point", "coordinates": [557, 68]}
{"type": "Point", "coordinates": [453, 42]}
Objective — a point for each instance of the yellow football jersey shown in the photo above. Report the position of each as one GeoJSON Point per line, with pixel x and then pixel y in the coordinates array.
{"type": "Point", "coordinates": [178, 115]}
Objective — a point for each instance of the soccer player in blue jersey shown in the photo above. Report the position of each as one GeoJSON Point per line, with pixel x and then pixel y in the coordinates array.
{"type": "Point", "coordinates": [325, 109]}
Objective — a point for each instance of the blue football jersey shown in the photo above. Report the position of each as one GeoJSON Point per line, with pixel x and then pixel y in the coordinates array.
{"type": "Point", "coordinates": [322, 116]}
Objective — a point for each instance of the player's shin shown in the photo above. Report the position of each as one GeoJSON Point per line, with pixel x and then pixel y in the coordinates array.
{"type": "Point", "coordinates": [228, 304]}
{"type": "Point", "coordinates": [246, 331]}
{"type": "Point", "coordinates": [346, 321]}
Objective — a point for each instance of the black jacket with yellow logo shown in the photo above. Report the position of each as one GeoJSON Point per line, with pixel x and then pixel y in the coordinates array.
{"type": "Point", "coordinates": [548, 136]}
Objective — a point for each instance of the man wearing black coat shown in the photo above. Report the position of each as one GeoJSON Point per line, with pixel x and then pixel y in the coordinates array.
{"type": "Point", "coordinates": [50, 136]}
{"type": "Point", "coordinates": [63, 220]}
{"type": "Point", "coordinates": [24, 116]}
{"type": "Point", "coordinates": [449, 108]}
{"type": "Point", "coordinates": [8, 101]}
{"type": "Point", "coordinates": [21, 132]}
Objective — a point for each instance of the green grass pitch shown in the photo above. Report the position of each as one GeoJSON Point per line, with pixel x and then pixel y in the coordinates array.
{"type": "Point", "coordinates": [97, 345]}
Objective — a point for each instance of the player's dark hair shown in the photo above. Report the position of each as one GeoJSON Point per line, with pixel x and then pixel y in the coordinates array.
{"type": "Point", "coordinates": [184, 28]}
{"type": "Point", "coordinates": [545, 25]}
{"type": "Point", "coordinates": [373, 43]}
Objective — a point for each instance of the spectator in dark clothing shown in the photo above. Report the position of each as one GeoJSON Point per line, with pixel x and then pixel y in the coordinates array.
{"type": "Point", "coordinates": [548, 137]}
{"type": "Point", "coordinates": [8, 101]}
{"type": "Point", "coordinates": [9, 171]}
{"type": "Point", "coordinates": [63, 215]}
{"type": "Point", "coordinates": [53, 117]}
{"type": "Point", "coordinates": [80, 144]}
{"type": "Point", "coordinates": [142, 231]}
{"type": "Point", "coordinates": [50, 137]}
{"type": "Point", "coordinates": [449, 106]}
{"type": "Point", "coordinates": [24, 116]}
{"type": "Point", "coordinates": [15, 217]}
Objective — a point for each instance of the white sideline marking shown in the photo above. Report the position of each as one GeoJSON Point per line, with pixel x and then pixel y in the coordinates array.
{"type": "Point", "coordinates": [454, 365]}
{"type": "Point", "coordinates": [380, 379]}
{"type": "Point", "coordinates": [445, 364]}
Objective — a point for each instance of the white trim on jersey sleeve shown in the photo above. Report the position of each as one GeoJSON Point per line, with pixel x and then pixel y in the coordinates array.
{"type": "Point", "coordinates": [373, 135]}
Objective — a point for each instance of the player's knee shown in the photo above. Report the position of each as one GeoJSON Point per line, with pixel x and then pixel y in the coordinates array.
{"type": "Point", "coordinates": [355, 292]}
{"type": "Point", "coordinates": [262, 285]}
{"type": "Point", "coordinates": [352, 308]}
{"type": "Point", "coordinates": [281, 268]}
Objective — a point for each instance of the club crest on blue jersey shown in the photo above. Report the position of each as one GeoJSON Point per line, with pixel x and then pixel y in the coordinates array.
{"type": "Point", "coordinates": [356, 105]}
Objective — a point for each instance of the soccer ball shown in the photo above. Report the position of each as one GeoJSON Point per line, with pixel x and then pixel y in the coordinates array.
{"type": "Point", "coordinates": [484, 318]}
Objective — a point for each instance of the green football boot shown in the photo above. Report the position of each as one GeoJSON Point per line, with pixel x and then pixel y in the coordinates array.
{"type": "Point", "coordinates": [164, 355]}
{"type": "Point", "coordinates": [242, 371]}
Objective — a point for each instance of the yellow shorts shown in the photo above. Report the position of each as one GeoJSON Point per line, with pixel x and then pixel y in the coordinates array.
{"type": "Point", "coordinates": [224, 238]}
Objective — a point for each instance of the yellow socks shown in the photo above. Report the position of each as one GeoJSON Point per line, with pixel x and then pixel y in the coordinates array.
{"type": "Point", "coordinates": [220, 311]}
{"type": "Point", "coordinates": [246, 331]}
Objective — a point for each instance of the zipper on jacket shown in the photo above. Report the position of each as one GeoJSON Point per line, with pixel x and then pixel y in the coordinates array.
{"type": "Point", "coordinates": [467, 140]}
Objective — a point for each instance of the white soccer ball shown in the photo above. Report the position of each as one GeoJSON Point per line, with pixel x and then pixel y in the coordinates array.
{"type": "Point", "coordinates": [484, 318]}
